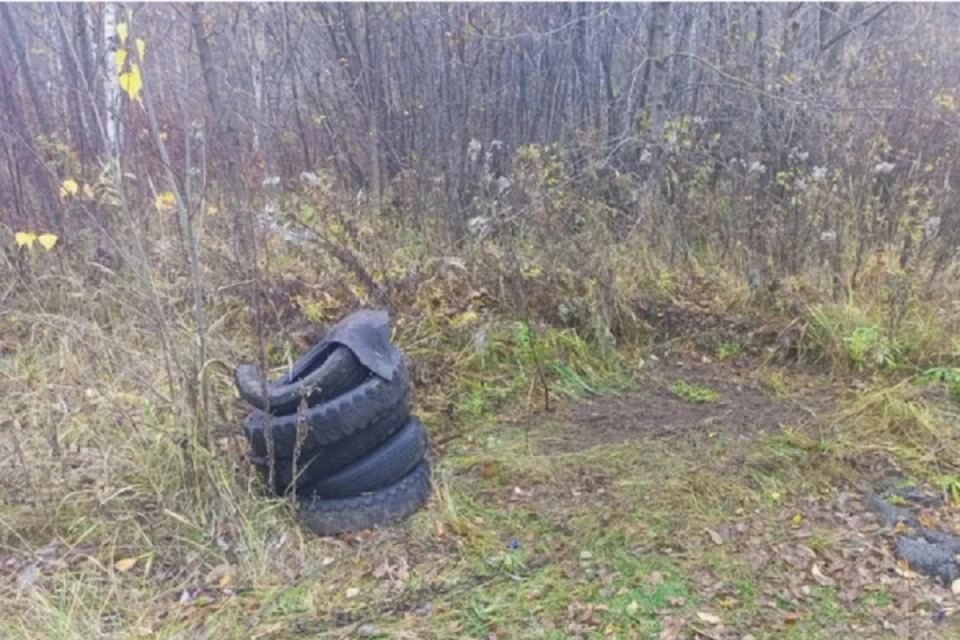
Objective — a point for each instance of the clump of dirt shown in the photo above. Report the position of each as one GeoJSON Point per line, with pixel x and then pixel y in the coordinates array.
{"type": "Point", "coordinates": [654, 408]}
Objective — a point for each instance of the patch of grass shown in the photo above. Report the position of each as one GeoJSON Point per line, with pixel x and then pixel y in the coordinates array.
{"type": "Point", "coordinates": [950, 376]}
{"type": "Point", "coordinates": [729, 350]}
{"type": "Point", "coordinates": [502, 367]}
{"type": "Point", "coordinates": [693, 393]}
{"type": "Point", "coordinates": [900, 422]}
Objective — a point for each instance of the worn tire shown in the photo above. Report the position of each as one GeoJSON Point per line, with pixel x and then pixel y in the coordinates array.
{"type": "Point", "coordinates": [380, 468]}
{"type": "Point", "coordinates": [329, 422]}
{"type": "Point", "coordinates": [396, 502]}
{"type": "Point", "coordinates": [320, 377]}
{"type": "Point", "coordinates": [317, 464]}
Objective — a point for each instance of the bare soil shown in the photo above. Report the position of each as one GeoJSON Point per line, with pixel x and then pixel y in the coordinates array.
{"type": "Point", "coordinates": [652, 410]}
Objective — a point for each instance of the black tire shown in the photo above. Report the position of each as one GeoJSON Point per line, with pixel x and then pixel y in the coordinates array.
{"type": "Point", "coordinates": [396, 502]}
{"type": "Point", "coordinates": [328, 422]}
{"type": "Point", "coordinates": [318, 464]}
{"type": "Point", "coordinates": [380, 468]}
{"type": "Point", "coordinates": [320, 376]}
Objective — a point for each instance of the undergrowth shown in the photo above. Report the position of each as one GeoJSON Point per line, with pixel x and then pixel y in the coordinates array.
{"type": "Point", "coordinates": [125, 454]}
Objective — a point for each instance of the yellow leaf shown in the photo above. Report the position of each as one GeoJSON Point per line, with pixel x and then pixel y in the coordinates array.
{"type": "Point", "coordinates": [131, 82]}
{"type": "Point", "coordinates": [166, 201]}
{"type": "Point", "coordinates": [225, 580]}
{"type": "Point", "coordinates": [88, 191]}
{"type": "Point", "coordinates": [68, 187]}
{"type": "Point", "coordinates": [120, 55]}
{"type": "Point", "coordinates": [122, 31]}
{"type": "Point", "coordinates": [25, 238]}
{"type": "Point", "coordinates": [797, 519]}
{"type": "Point", "coordinates": [163, 135]}
{"type": "Point", "coordinates": [141, 48]}
{"type": "Point", "coordinates": [47, 240]}
{"type": "Point", "coordinates": [124, 564]}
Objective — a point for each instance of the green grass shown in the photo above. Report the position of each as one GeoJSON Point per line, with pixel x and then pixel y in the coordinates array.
{"type": "Point", "coordinates": [693, 393]}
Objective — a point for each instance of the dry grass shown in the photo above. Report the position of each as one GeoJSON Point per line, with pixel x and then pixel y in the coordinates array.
{"type": "Point", "coordinates": [127, 502]}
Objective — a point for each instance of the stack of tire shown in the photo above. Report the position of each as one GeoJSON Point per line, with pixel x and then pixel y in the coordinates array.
{"type": "Point", "coordinates": [337, 432]}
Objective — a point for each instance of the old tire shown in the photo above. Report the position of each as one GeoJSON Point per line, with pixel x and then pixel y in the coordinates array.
{"type": "Point", "coordinates": [396, 502]}
{"type": "Point", "coordinates": [329, 422]}
{"type": "Point", "coordinates": [380, 468]}
{"type": "Point", "coordinates": [320, 377]}
{"type": "Point", "coordinates": [317, 464]}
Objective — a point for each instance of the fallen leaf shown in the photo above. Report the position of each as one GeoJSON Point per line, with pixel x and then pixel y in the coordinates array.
{"type": "Point", "coordinates": [716, 537]}
{"type": "Point", "coordinates": [25, 239]}
{"type": "Point", "coordinates": [124, 564]}
{"type": "Point", "coordinates": [818, 575]}
{"type": "Point", "coordinates": [166, 201]}
{"type": "Point", "coordinates": [327, 561]}
{"type": "Point", "coordinates": [353, 592]}
{"type": "Point", "coordinates": [709, 618]}
{"type": "Point", "coordinates": [488, 470]}
{"type": "Point", "coordinates": [438, 529]}
{"type": "Point", "coordinates": [671, 628]}
{"type": "Point", "coordinates": [585, 555]}
{"type": "Point", "coordinates": [217, 575]}
{"type": "Point", "coordinates": [797, 519]}
{"type": "Point", "coordinates": [68, 188]}
{"type": "Point", "coordinates": [47, 240]}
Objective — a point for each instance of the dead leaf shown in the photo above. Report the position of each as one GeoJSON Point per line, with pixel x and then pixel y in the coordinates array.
{"type": "Point", "coordinates": [217, 575]}
{"type": "Point", "coordinates": [488, 470]}
{"type": "Point", "coordinates": [124, 564]}
{"type": "Point", "coordinates": [327, 561]}
{"type": "Point", "coordinates": [438, 529]}
{"type": "Point", "coordinates": [585, 555]}
{"type": "Point", "coordinates": [716, 537]}
{"type": "Point", "coordinates": [353, 592]}
{"type": "Point", "coordinates": [709, 618]}
{"type": "Point", "coordinates": [819, 576]}
{"type": "Point", "coordinates": [671, 628]}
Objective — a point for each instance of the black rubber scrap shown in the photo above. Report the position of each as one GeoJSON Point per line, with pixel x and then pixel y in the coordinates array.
{"type": "Point", "coordinates": [328, 422]}
{"type": "Point", "coordinates": [367, 334]}
{"type": "Point", "coordinates": [945, 540]}
{"type": "Point", "coordinates": [380, 468]}
{"type": "Point", "coordinates": [891, 515]}
{"type": "Point", "coordinates": [356, 346]}
{"type": "Point", "coordinates": [338, 371]}
{"type": "Point", "coordinates": [933, 560]}
{"type": "Point", "coordinates": [323, 462]}
{"type": "Point", "coordinates": [369, 511]}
